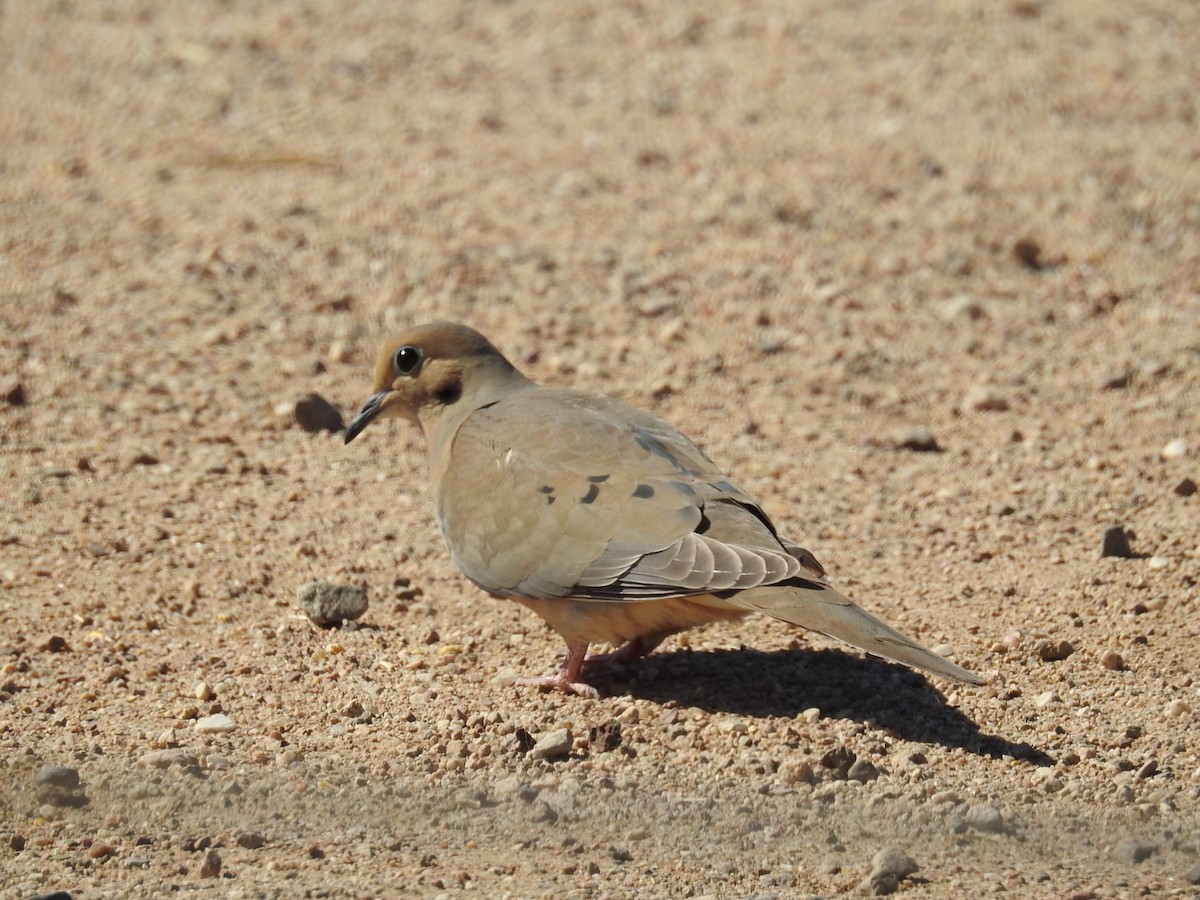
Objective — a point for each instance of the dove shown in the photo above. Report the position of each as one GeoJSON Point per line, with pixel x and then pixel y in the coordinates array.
{"type": "Point", "coordinates": [599, 517]}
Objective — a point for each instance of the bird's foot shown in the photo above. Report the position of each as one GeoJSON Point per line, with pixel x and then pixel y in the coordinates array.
{"type": "Point", "coordinates": [560, 683]}
{"type": "Point", "coordinates": [567, 679]}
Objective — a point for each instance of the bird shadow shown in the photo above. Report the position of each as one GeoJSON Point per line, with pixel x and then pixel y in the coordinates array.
{"type": "Point", "coordinates": [784, 683]}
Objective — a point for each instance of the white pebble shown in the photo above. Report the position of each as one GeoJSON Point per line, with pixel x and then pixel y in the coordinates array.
{"type": "Point", "coordinates": [812, 715]}
{"type": "Point", "coordinates": [1045, 699]}
{"type": "Point", "coordinates": [1158, 562]}
{"type": "Point", "coordinates": [1175, 449]}
{"type": "Point", "coordinates": [1177, 708]}
{"type": "Point", "coordinates": [219, 723]}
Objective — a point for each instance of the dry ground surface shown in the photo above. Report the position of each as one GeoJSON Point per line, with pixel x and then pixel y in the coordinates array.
{"type": "Point", "coordinates": [799, 231]}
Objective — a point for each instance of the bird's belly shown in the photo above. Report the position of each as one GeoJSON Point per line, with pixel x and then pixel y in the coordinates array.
{"type": "Point", "coordinates": [618, 621]}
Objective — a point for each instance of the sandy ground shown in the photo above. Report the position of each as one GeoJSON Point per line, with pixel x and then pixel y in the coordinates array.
{"type": "Point", "coordinates": [799, 231]}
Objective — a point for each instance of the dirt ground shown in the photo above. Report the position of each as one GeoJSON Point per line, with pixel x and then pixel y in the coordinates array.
{"type": "Point", "coordinates": [815, 236]}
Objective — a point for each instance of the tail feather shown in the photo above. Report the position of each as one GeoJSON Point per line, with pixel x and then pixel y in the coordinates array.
{"type": "Point", "coordinates": [818, 607]}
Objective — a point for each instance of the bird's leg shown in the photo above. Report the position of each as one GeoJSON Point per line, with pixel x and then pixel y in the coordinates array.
{"type": "Point", "coordinates": [567, 680]}
{"type": "Point", "coordinates": [629, 651]}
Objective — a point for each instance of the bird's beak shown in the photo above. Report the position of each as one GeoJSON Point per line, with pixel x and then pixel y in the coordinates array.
{"type": "Point", "coordinates": [369, 411]}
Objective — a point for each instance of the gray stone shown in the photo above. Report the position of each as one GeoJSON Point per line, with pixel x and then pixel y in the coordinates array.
{"type": "Point", "coordinates": [326, 603]}
{"type": "Point", "coordinates": [552, 745]}
{"type": "Point", "coordinates": [1131, 851]}
{"type": "Point", "coordinates": [986, 818]}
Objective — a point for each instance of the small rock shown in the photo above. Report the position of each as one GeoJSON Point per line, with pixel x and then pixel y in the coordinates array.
{"type": "Point", "coordinates": [1175, 449]}
{"type": "Point", "coordinates": [1113, 661]}
{"type": "Point", "coordinates": [13, 393]}
{"type": "Point", "coordinates": [1054, 651]}
{"type": "Point", "coordinates": [985, 818]}
{"type": "Point", "coordinates": [204, 692]}
{"type": "Point", "coordinates": [795, 771]}
{"type": "Point", "coordinates": [251, 840]}
{"type": "Point", "coordinates": [1185, 488]}
{"type": "Point", "coordinates": [919, 440]}
{"type": "Point", "coordinates": [60, 786]}
{"type": "Point", "coordinates": [895, 862]}
{"type": "Point", "coordinates": [101, 851]}
{"type": "Point", "coordinates": [879, 884]}
{"type": "Point", "coordinates": [984, 399]}
{"type": "Point", "coordinates": [1193, 875]}
{"type": "Point", "coordinates": [211, 867]}
{"type": "Point", "coordinates": [1177, 708]}
{"type": "Point", "coordinates": [326, 603]}
{"type": "Point", "coordinates": [862, 771]}
{"type": "Point", "coordinates": [1115, 542]}
{"type": "Point", "coordinates": [314, 413]}
{"type": "Point", "coordinates": [1029, 253]}
{"type": "Point", "coordinates": [963, 306]}
{"type": "Point", "coordinates": [218, 723]}
{"type": "Point", "coordinates": [1149, 769]}
{"type": "Point", "coordinates": [552, 745]}
{"type": "Point", "coordinates": [58, 776]}
{"type": "Point", "coordinates": [1131, 851]}
{"type": "Point", "coordinates": [164, 759]}
{"type": "Point", "coordinates": [1116, 381]}
{"type": "Point", "coordinates": [1044, 699]}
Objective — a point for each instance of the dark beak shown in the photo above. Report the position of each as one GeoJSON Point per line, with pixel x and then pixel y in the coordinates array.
{"type": "Point", "coordinates": [369, 411]}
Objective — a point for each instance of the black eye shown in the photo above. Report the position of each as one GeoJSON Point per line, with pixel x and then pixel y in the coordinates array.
{"type": "Point", "coordinates": [406, 360]}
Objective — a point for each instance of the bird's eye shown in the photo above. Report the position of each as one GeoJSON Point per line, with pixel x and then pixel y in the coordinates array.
{"type": "Point", "coordinates": [406, 360]}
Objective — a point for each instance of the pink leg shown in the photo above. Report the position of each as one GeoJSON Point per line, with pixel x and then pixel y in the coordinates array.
{"type": "Point", "coordinates": [567, 680]}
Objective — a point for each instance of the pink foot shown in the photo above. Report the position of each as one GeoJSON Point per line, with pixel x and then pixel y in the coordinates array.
{"type": "Point", "coordinates": [567, 680]}
{"type": "Point", "coordinates": [559, 683]}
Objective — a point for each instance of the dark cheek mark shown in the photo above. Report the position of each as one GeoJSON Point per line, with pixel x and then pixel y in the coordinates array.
{"type": "Point", "coordinates": [643, 491]}
{"type": "Point", "coordinates": [591, 495]}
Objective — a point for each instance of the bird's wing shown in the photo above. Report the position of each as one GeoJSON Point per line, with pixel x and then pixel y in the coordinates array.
{"type": "Point", "coordinates": [553, 493]}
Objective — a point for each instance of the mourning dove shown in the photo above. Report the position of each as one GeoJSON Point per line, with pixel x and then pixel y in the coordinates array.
{"type": "Point", "coordinates": [601, 518]}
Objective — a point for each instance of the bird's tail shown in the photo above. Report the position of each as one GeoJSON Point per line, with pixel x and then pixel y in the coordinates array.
{"type": "Point", "coordinates": [818, 607]}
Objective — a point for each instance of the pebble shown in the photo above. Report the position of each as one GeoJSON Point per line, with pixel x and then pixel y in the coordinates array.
{"type": "Point", "coordinates": [889, 867]}
{"type": "Point", "coordinates": [164, 759]}
{"type": "Point", "coordinates": [1177, 708]}
{"type": "Point", "coordinates": [1131, 851]}
{"type": "Point", "coordinates": [314, 413]}
{"type": "Point", "coordinates": [1044, 699]}
{"type": "Point", "coordinates": [13, 393]}
{"type": "Point", "coordinates": [1054, 651]}
{"type": "Point", "coordinates": [862, 771]}
{"type": "Point", "coordinates": [326, 603]}
{"type": "Point", "coordinates": [919, 440]}
{"type": "Point", "coordinates": [1113, 660]}
{"type": "Point", "coordinates": [1115, 542]}
{"type": "Point", "coordinates": [1175, 449]}
{"type": "Point", "coordinates": [985, 818]}
{"type": "Point", "coordinates": [1193, 874]}
{"type": "Point", "coordinates": [211, 867]}
{"type": "Point", "coordinates": [552, 745]}
{"type": "Point", "coordinates": [982, 398]}
{"type": "Point", "coordinates": [251, 840]}
{"type": "Point", "coordinates": [60, 786]}
{"type": "Point", "coordinates": [963, 306]}
{"type": "Point", "coordinates": [204, 692]}
{"type": "Point", "coordinates": [1185, 488]}
{"type": "Point", "coordinates": [217, 723]}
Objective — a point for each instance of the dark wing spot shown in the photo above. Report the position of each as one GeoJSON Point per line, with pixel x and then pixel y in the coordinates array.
{"type": "Point", "coordinates": [598, 479]}
{"type": "Point", "coordinates": [550, 498]}
{"type": "Point", "coordinates": [643, 491]}
{"type": "Point", "coordinates": [546, 489]}
{"type": "Point", "coordinates": [591, 495]}
{"type": "Point", "coordinates": [704, 524]}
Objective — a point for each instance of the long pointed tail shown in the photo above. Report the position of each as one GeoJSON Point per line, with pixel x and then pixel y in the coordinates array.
{"type": "Point", "coordinates": [818, 607]}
